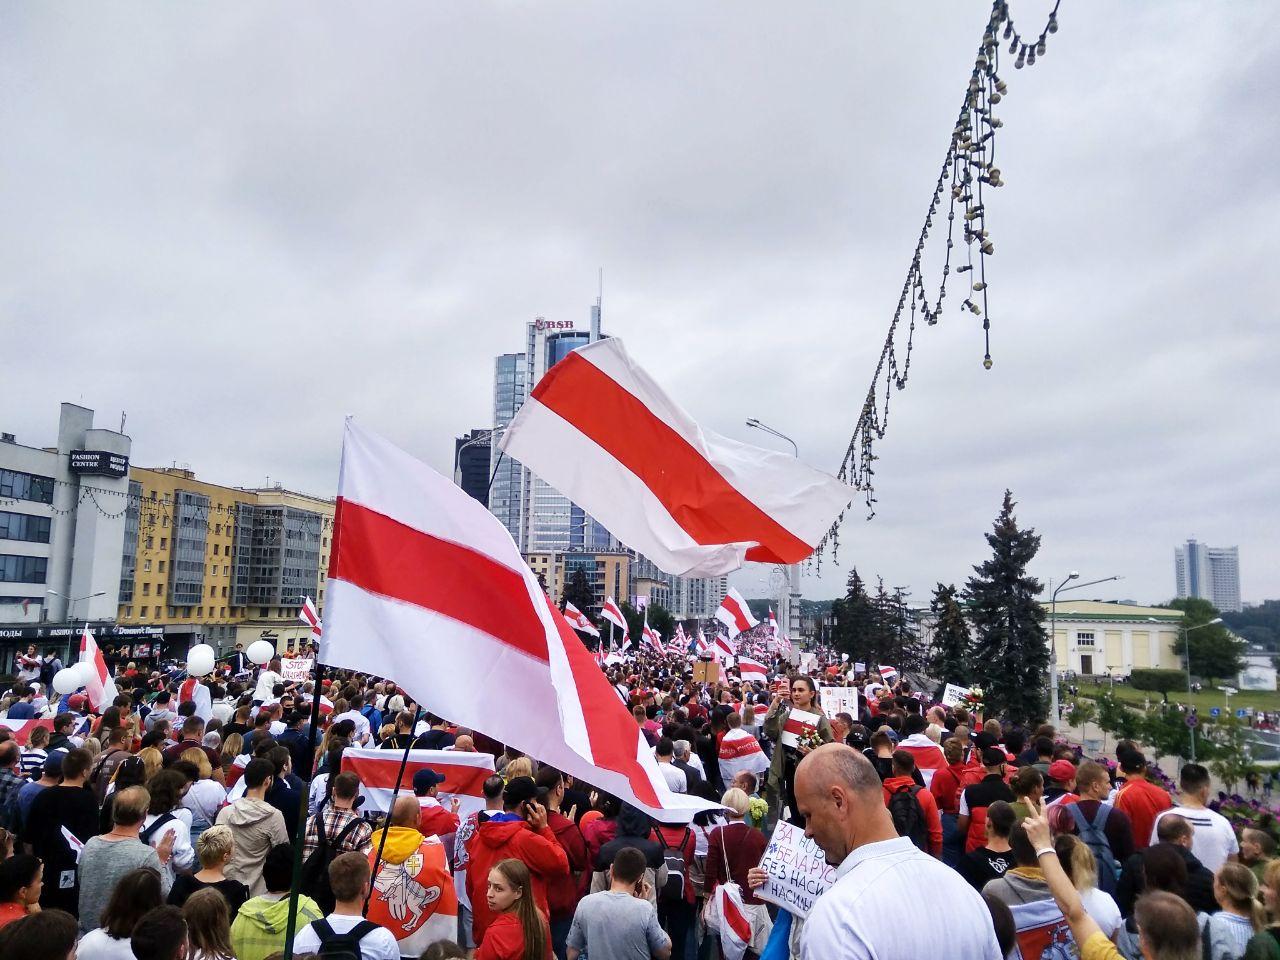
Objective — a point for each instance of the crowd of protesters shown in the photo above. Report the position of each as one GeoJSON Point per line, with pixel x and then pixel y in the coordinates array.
{"type": "Point", "coordinates": [167, 826]}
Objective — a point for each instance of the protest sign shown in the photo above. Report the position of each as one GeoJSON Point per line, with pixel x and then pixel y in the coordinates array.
{"type": "Point", "coordinates": [953, 694]}
{"type": "Point", "coordinates": [839, 700]}
{"type": "Point", "coordinates": [798, 870]}
{"type": "Point", "coordinates": [296, 670]}
{"type": "Point", "coordinates": [859, 667]}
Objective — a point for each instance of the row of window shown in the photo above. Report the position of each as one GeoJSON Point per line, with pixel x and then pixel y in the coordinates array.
{"type": "Point", "coordinates": [23, 526]}
{"type": "Point", "coordinates": [26, 486]}
{"type": "Point", "coordinates": [23, 569]}
{"type": "Point", "coordinates": [218, 613]}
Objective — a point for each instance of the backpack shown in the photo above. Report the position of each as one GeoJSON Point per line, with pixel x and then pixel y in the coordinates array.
{"type": "Point", "coordinates": [673, 891]}
{"type": "Point", "coordinates": [1095, 838]}
{"type": "Point", "coordinates": [908, 816]}
{"type": "Point", "coordinates": [146, 835]}
{"type": "Point", "coordinates": [341, 946]}
{"type": "Point", "coordinates": [315, 870]}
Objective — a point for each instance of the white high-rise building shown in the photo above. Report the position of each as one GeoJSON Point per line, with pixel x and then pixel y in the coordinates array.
{"type": "Point", "coordinates": [1210, 573]}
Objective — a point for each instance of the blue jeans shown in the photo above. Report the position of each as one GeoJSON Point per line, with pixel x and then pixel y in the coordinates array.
{"type": "Point", "coordinates": [559, 934]}
{"type": "Point", "coordinates": [952, 842]}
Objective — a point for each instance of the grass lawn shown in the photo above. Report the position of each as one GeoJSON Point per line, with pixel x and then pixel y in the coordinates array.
{"type": "Point", "coordinates": [1204, 700]}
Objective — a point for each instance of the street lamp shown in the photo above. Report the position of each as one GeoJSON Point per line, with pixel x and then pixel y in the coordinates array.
{"type": "Point", "coordinates": [792, 570]}
{"type": "Point", "coordinates": [72, 601]}
{"type": "Point", "coordinates": [1186, 631]}
{"type": "Point", "coordinates": [1053, 633]}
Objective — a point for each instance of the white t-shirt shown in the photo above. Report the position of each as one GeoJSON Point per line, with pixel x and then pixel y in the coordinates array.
{"type": "Point", "coordinates": [873, 910]}
{"type": "Point", "coordinates": [267, 681]}
{"type": "Point", "coordinates": [1101, 906]}
{"type": "Point", "coordinates": [1213, 840]}
{"type": "Point", "coordinates": [676, 780]}
{"type": "Point", "coordinates": [377, 944]}
{"type": "Point", "coordinates": [204, 800]}
{"type": "Point", "coordinates": [361, 722]}
{"type": "Point", "coordinates": [184, 855]}
{"type": "Point", "coordinates": [96, 945]}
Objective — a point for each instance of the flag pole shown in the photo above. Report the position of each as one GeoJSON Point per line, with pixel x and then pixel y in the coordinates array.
{"type": "Point", "coordinates": [291, 927]}
{"type": "Point", "coordinates": [386, 824]}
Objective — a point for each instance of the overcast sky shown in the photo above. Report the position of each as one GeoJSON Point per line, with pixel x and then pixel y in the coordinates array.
{"type": "Point", "coordinates": [239, 222]}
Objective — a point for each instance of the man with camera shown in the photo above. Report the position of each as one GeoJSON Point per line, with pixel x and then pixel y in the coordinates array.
{"type": "Point", "coordinates": [521, 832]}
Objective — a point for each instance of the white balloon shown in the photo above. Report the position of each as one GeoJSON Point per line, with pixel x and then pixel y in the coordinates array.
{"type": "Point", "coordinates": [199, 660]}
{"type": "Point", "coordinates": [261, 651]}
{"type": "Point", "coordinates": [87, 671]}
{"type": "Point", "coordinates": [67, 680]}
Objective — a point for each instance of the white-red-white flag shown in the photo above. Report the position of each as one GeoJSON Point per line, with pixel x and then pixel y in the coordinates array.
{"type": "Point", "coordinates": [603, 433]}
{"type": "Point", "coordinates": [578, 620]}
{"type": "Point", "coordinates": [99, 687]}
{"type": "Point", "coordinates": [426, 587]}
{"type": "Point", "coordinates": [734, 613]}
{"type": "Point", "coordinates": [651, 636]}
{"type": "Point", "coordinates": [724, 649]}
{"type": "Point", "coordinates": [889, 674]}
{"type": "Point", "coordinates": [700, 645]}
{"type": "Point", "coordinates": [734, 925]}
{"type": "Point", "coordinates": [464, 775]}
{"type": "Point", "coordinates": [613, 613]}
{"type": "Point", "coordinates": [739, 751]}
{"type": "Point", "coordinates": [752, 670]}
{"type": "Point", "coordinates": [309, 614]}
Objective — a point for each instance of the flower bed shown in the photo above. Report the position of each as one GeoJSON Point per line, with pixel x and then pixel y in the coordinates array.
{"type": "Point", "coordinates": [1242, 812]}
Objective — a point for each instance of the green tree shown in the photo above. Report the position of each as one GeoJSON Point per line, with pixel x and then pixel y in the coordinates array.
{"type": "Point", "coordinates": [1164, 729]}
{"type": "Point", "coordinates": [1158, 681]}
{"type": "Point", "coordinates": [1080, 714]}
{"type": "Point", "coordinates": [578, 592]}
{"type": "Point", "coordinates": [1230, 751]}
{"type": "Point", "coordinates": [855, 618]}
{"type": "Point", "coordinates": [661, 620]}
{"type": "Point", "coordinates": [1011, 649]}
{"type": "Point", "coordinates": [949, 659]}
{"type": "Point", "coordinates": [1115, 718]}
{"type": "Point", "coordinates": [1215, 653]}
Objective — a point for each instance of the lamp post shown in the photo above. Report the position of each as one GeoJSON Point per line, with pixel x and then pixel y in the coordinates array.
{"type": "Point", "coordinates": [792, 570]}
{"type": "Point", "coordinates": [71, 605]}
{"type": "Point", "coordinates": [1053, 633]}
{"type": "Point", "coordinates": [1186, 639]}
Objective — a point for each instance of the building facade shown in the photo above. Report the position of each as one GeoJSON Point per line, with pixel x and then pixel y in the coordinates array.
{"type": "Point", "coordinates": [62, 527]}
{"type": "Point", "coordinates": [1209, 573]}
{"type": "Point", "coordinates": [1097, 638]}
{"type": "Point", "coordinates": [471, 458]}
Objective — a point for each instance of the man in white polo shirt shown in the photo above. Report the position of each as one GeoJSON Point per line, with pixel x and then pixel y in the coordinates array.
{"type": "Point", "coordinates": [1214, 841]}
{"type": "Point", "coordinates": [885, 902]}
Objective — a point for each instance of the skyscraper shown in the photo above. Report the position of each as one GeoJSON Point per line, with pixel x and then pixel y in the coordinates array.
{"type": "Point", "coordinates": [471, 464]}
{"type": "Point", "coordinates": [1210, 573]}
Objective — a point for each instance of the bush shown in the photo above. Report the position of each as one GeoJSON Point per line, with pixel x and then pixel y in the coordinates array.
{"type": "Point", "coordinates": [1159, 681]}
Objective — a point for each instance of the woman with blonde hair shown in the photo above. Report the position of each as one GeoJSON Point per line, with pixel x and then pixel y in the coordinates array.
{"type": "Point", "coordinates": [206, 796]}
{"type": "Point", "coordinates": [208, 926]}
{"type": "Point", "coordinates": [1229, 930]}
{"type": "Point", "coordinates": [519, 931]}
{"type": "Point", "coordinates": [1265, 944]}
{"type": "Point", "coordinates": [519, 767]}
{"type": "Point", "coordinates": [153, 760]}
{"type": "Point", "coordinates": [1081, 869]}
{"type": "Point", "coordinates": [214, 848]}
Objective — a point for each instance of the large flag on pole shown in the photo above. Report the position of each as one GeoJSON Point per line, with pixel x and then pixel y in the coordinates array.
{"type": "Point", "coordinates": [603, 433]}
{"type": "Point", "coordinates": [578, 620]}
{"type": "Point", "coordinates": [613, 613]}
{"type": "Point", "coordinates": [98, 685]}
{"type": "Point", "coordinates": [309, 614]}
{"type": "Point", "coordinates": [734, 613]}
{"type": "Point", "coordinates": [427, 587]}
{"type": "Point", "coordinates": [753, 670]}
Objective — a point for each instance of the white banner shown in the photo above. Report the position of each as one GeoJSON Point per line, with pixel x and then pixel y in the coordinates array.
{"type": "Point", "coordinates": [839, 700]}
{"type": "Point", "coordinates": [953, 694]}
{"type": "Point", "coordinates": [798, 870]}
{"type": "Point", "coordinates": [297, 670]}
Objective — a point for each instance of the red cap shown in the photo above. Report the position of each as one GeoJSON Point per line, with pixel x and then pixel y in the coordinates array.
{"type": "Point", "coordinates": [1064, 771]}
{"type": "Point", "coordinates": [77, 701]}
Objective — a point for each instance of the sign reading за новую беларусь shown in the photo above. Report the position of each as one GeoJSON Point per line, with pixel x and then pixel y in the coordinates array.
{"type": "Point", "coordinates": [798, 870]}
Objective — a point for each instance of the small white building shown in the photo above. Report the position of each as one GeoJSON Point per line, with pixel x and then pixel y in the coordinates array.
{"type": "Point", "coordinates": [1099, 638]}
{"type": "Point", "coordinates": [1259, 671]}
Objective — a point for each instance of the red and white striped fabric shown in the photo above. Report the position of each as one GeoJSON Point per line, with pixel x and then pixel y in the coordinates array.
{"type": "Point", "coordinates": [799, 725]}
{"type": "Point", "coordinates": [741, 751]}
{"type": "Point", "coordinates": [889, 674]}
{"type": "Point", "coordinates": [752, 670]}
{"type": "Point", "coordinates": [603, 433]}
{"type": "Point", "coordinates": [98, 686]}
{"type": "Point", "coordinates": [652, 637]}
{"type": "Point", "coordinates": [613, 613]}
{"type": "Point", "coordinates": [464, 775]}
{"type": "Point", "coordinates": [578, 620]}
{"type": "Point", "coordinates": [427, 587]}
{"type": "Point", "coordinates": [724, 649]}
{"type": "Point", "coordinates": [192, 690]}
{"type": "Point", "coordinates": [927, 754]}
{"type": "Point", "coordinates": [309, 614]}
{"type": "Point", "coordinates": [601, 655]}
{"type": "Point", "coordinates": [22, 729]}
{"type": "Point", "coordinates": [701, 645]}
{"type": "Point", "coordinates": [734, 925]}
{"type": "Point", "coordinates": [734, 613]}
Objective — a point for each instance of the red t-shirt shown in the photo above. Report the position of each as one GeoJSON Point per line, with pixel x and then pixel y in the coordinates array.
{"type": "Point", "coordinates": [1142, 801]}
{"type": "Point", "coordinates": [10, 912]}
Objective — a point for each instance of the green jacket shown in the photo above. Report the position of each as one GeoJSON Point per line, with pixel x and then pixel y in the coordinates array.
{"type": "Point", "coordinates": [1263, 946]}
{"type": "Point", "coordinates": [773, 723]}
{"type": "Point", "coordinates": [259, 927]}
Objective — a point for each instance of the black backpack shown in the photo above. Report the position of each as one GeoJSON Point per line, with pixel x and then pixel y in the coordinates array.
{"type": "Point", "coordinates": [673, 890]}
{"type": "Point", "coordinates": [315, 869]}
{"type": "Point", "coordinates": [341, 946]}
{"type": "Point", "coordinates": [908, 815]}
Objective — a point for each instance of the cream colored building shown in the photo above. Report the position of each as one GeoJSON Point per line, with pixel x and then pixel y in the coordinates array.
{"type": "Point", "coordinates": [1096, 638]}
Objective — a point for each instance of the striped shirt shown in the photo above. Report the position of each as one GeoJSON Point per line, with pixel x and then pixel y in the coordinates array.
{"type": "Point", "coordinates": [33, 759]}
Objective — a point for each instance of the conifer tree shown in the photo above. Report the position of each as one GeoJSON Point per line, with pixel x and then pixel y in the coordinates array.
{"type": "Point", "coordinates": [855, 620]}
{"type": "Point", "coordinates": [950, 660]}
{"type": "Point", "coordinates": [1011, 651]}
